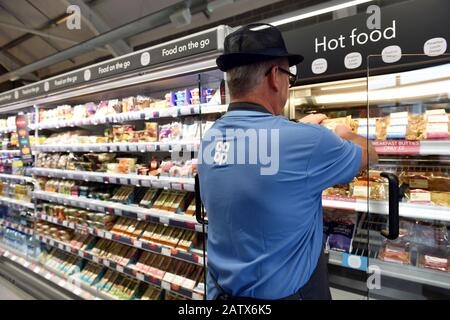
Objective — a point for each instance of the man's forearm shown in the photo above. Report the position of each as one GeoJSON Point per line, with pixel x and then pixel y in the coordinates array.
{"type": "Point", "coordinates": [369, 155]}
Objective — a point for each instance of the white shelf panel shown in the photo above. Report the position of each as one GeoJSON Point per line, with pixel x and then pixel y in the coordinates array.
{"type": "Point", "coordinates": [136, 115]}
{"type": "Point", "coordinates": [9, 151]}
{"type": "Point", "coordinates": [45, 272]}
{"type": "Point", "coordinates": [16, 177]}
{"type": "Point", "coordinates": [121, 147]}
{"type": "Point", "coordinates": [124, 179]}
{"type": "Point", "coordinates": [16, 203]}
{"type": "Point", "coordinates": [407, 210]}
{"type": "Point", "coordinates": [8, 130]}
{"type": "Point", "coordinates": [131, 211]}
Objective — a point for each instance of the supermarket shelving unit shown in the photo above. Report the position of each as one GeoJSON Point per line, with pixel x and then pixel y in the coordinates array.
{"type": "Point", "coordinates": [194, 71]}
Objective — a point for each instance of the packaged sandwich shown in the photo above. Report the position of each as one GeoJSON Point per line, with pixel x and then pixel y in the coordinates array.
{"type": "Point", "coordinates": [434, 258]}
{"type": "Point", "coordinates": [397, 252]}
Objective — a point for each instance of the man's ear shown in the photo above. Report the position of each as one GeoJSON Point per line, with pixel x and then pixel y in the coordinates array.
{"type": "Point", "coordinates": [272, 78]}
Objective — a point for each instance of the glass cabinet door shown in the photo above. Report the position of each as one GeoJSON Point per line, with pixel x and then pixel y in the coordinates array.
{"type": "Point", "coordinates": [408, 189]}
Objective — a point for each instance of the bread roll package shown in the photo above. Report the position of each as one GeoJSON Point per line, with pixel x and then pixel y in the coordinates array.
{"type": "Point", "coordinates": [348, 121]}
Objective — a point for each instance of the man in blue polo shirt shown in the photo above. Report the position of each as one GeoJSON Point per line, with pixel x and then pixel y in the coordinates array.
{"type": "Point", "coordinates": [261, 178]}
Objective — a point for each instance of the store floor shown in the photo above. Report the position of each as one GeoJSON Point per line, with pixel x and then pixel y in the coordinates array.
{"type": "Point", "coordinates": [10, 292]}
{"type": "Point", "coordinates": [345, 295]}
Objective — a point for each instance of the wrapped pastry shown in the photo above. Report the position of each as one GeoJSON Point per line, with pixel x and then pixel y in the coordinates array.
{"type": "Point", "coordinates": [416, 127]}
{"type": "Point", "coordinates": [348, 121]}
{"type": "Point", "coordinates": [381, 128]}
{"type": "Point", "coordinates": [438, 183]}
{"type": "Point", "coordinates": [440, 198]}
{"type": "Point", "coordinates": [376, 186]}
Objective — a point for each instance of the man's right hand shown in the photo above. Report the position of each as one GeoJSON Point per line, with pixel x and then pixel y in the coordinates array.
{"type": "Point", "coordinates": [344, 131]}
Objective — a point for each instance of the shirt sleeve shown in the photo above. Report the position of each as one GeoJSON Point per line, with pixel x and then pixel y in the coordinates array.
{"type": "Point", "coordinates": [333, 161]}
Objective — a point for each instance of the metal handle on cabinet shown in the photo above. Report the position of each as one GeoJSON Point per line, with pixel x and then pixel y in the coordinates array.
{"type": "Point", "coordinates": [394, 218]}
{"type": "Point", "coordinates": [198, 203]}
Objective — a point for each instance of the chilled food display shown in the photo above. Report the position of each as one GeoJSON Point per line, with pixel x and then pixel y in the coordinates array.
{"type": "Point", "coordinates": [169, 201]}
{"type": "Point", "coordinates": [130, 104]}
{"type": "Point", "coordinates": [432, 125]}
{"type": "Point", "coordinates": [111, 163]}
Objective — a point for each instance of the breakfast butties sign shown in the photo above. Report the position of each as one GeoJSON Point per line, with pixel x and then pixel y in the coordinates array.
{"type": "Point", "coordinates": [340, 48]}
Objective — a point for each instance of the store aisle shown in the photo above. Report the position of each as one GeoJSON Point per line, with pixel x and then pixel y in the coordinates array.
{"type": "Point", "coordinates": [10, 292]}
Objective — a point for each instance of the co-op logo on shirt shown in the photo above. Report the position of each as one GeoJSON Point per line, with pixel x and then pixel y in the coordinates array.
{"type": "Point", "coordinates": [221, 154]}
{"type": "Point", "coordinates": [252, 147]}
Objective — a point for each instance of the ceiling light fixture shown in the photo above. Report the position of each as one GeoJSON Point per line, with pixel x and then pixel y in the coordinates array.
{"type": "Point", "coordinates": [216, 4]}
{"type": "Point", "coordinates": [315, 11]}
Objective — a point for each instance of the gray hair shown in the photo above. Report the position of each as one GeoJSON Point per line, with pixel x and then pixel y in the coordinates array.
{"type": "Point", "coordinates": [244, 79]}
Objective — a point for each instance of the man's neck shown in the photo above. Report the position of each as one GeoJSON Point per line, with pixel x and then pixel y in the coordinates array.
{"type": "Point", "coordinates": [256, 100]}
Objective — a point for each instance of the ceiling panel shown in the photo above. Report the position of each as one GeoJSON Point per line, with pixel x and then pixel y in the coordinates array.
{"type": "Point", "coordinates": [118, 12]}
{"type": "Point", "coordinates": [51, 8]}
{"type": "Point", "coordinates": [32, 49]}
{"type": "Point", "coordinates": [23, 54]}
{"type": "Point", "coordinates": [23, 12]}
{"type": "Point", "coordinates": [199, 20]}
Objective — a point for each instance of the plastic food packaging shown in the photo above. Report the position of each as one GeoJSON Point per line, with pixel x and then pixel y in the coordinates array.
{"type": "Point", "coordinates": [377, 188]}
{"type": "Point", "coordinates": [440, 198]}
{"type": "Point", "coordinates": [430, 235]}
{"type": "Point", "coordinates": [127, 165]}
{"type": "Point", "coordinates": [395, 252]}
{"type": "Point", "coordinates": [348, 121]}
{"type": "Point", "coordinates": [434, 258]}
{"type": "Point", "coordinates": [341, 231]}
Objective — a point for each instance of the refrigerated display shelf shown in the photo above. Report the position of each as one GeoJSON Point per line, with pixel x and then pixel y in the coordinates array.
{"type": "Point", "coordinates": [404, 147]}
{"type": "Point", "coordinates": [412, 273]}
{"type": "Point", "coordinates": [191, 294]}
{"type": "Point", "coordinates": [8, 130]}
{"type": "Point", "coordinates": [48, 274]}
{"type": "Point", "coordinates": [7, 176]}
{"type": "Point", "coordinates": [144, 245]}
{"type": "Point", "coordinates": [16, 204]}
{"type": "Point", "coordinates": [16, 226]}
{"type": "Point", "coordinates": [135, 115]}
{"type": "Point", "coordinates": [174, 183]}
{"type": "Point", "coordinates": [399, 271]}
{"type": "Point", "coordinates": [188, 146]}
{"type": "Point", "coordinates": [407, 210]}
{"type": "Point", "coordinates": [118, 209]}
{"type": "Point", "coordinates": [9, 151]}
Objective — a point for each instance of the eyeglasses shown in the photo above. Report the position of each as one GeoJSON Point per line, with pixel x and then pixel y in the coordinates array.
{"type": "Point", "coordinates": [292, 73]}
